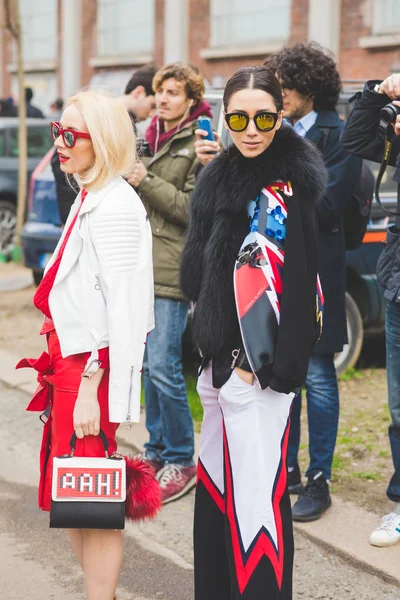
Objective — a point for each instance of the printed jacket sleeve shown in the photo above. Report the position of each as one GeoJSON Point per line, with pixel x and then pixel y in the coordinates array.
{"type": "Point", "coordinates": [297, 329]}
{"type": "Point", "coordinates": [122, 240]}
{"type": "Point", "coordinates": [170, 202]}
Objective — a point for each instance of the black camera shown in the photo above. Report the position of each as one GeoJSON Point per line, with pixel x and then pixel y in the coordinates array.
{"type": "Point", "coordinates": [389, 113]}
{"type": "Point", "coordinates": [142, 148]}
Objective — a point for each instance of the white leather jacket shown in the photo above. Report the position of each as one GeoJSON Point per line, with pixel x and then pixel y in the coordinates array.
{"type": "Point", "coordinates": [103, 292]}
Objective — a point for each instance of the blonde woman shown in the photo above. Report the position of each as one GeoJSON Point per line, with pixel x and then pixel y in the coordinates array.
{"type": "Point", "coordinates": [97, 298]}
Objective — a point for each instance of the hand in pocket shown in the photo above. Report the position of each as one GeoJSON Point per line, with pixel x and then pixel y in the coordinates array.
{"type": "Point", "coordinates": [245, 376]}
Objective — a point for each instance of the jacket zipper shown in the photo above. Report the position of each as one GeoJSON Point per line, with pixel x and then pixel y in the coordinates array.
{"type": "Point", "coordinates": [98, 287]}
{"type": "Point", "coordinates": [128, 416]}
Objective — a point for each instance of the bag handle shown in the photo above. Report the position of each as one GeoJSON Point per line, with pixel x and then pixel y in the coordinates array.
{"type": "Point", "coordinates": [103, 439]}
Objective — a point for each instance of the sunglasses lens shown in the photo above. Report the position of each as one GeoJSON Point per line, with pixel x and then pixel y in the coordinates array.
{"type": "Point", "coordinates": [265, 121]}
{"type": "Point", "coordinates": [69, 138]}
{"type": "Point", "coordinates": [55, 132]}
{"type": "Point", "coordinates": [237, 122]}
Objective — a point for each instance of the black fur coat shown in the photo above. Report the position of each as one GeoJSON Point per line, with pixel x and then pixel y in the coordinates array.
{"type": "Point", "coordinates": [217, 227]}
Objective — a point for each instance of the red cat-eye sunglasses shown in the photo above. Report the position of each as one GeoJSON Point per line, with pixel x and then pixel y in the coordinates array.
{"type": "Point", "coordinates": [69, 136]}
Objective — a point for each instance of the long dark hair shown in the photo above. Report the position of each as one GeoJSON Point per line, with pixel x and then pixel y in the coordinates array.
{"type": "Point", "coordinates": [254, 78]}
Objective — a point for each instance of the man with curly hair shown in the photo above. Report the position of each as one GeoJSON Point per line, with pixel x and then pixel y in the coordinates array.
{"type": "Point", "coordinates": [165, 183]}
{"type": "Point", "coordinates": [311, 87]}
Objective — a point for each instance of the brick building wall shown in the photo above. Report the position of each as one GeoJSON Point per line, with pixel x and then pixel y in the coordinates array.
{"type": "Point", "coordinates": [361, 63]}
{"type": "Point", "coordinates": [199, 33]}
{"type": "Point", "coordinates": [59, 46]}
{"type": "Point", "coordinates": [213, 69]}
{"type": "Point", "coordinates": [299, 21]}
{"type": "Point", "coordinates": [159, 32]}
{"type": "Point", "coordinates": [355, 62]}
{"type": "Point", "coordinates": [89, 38]}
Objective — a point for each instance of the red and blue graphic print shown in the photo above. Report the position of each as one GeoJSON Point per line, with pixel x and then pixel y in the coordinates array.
{"type": "Point", "coordinates": [258, 273]}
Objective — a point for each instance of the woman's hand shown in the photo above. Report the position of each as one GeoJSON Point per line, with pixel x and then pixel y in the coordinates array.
{"type": "Point", "coordinates": [138, 174]}
{"type": "Point", "coordinates": [203, 147]}
{"type": "Point", "coordinates": [245, 376]}
{"type": "Point", "coordinates": [86, 415]}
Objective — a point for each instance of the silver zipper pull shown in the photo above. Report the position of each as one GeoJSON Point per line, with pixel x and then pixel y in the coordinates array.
{"type": "Point", "coordinates": [235, 354]}
{"type": "Point", "coordinates": [128, 416]}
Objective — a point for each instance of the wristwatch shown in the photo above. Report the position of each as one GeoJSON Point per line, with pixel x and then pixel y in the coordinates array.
{"type": "Point", "coordinates": [377, 88]}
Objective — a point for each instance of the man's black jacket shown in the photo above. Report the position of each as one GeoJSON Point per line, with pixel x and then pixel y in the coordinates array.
{"type": "Point", "coordinates": [364, 137]}
{"type": "Point", "coordinates": [344, 172]}
{"type": "Point", "coordinates": [65, 193]}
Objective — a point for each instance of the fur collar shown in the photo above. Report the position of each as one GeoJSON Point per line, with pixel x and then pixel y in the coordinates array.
{"type": "Point", "coordinates": [288, 158]}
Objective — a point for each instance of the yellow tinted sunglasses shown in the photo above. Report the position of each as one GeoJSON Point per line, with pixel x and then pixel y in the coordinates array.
{"type": "Point", "coordinates": [263, 120]}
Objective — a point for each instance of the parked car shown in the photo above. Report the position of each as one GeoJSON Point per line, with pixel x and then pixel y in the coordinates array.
{"type": "Point", "coordinates": [364, 300]}
{"type": "Point", "coordinates": [39, 141]}
{"type": "Point", "coordinates": [42, 229]}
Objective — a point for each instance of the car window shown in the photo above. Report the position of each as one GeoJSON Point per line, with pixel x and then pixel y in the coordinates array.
{"type": "Point", "coordinates": [2, 143]}
{"type": "Point", "coordinates": [215, 101]}
{"type": "Point", "coordinates": [39, 141]}
{"type": "Point", "coordinates": [215, 104]}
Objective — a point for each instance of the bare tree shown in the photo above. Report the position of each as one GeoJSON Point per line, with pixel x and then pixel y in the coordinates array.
{"type": "Point", "coordinates": [12, 23]}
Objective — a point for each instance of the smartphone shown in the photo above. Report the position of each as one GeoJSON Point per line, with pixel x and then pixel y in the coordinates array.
{"type": "Point", "coordinates": [205, 124]}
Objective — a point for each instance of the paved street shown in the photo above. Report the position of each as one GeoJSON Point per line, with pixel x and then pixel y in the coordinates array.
{"type": "Point", "coordinates": [38, 563]}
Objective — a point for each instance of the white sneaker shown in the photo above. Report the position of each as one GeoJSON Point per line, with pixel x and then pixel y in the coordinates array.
{"type": "Point", "coordinates": [388, 533]}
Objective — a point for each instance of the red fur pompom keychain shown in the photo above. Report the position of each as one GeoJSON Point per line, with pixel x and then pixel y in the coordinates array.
{"type": "Point", "coordinates": [143, 493]}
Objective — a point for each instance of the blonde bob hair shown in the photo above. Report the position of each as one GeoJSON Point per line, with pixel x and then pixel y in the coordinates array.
{"type": "Point", "coordinates": [112, 135]}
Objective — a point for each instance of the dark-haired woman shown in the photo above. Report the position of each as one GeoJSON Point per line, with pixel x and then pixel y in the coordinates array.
{"type": "Point", "coordinates": [250, 267]}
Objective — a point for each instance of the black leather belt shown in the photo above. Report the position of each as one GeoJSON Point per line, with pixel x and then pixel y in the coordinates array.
{"type": "Point", "coordinates": [241, 361]}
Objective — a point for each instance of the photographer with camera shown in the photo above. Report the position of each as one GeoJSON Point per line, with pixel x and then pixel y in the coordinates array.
{"type": "Point", "coordinates": [373, 132]}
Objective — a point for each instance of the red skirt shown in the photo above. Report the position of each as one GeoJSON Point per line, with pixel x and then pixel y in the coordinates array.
{"type": "Point", "coordinates": [62, 379]}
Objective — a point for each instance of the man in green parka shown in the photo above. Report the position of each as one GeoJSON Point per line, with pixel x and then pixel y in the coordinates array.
{"type": "Point", "coordinates": [165, 182]}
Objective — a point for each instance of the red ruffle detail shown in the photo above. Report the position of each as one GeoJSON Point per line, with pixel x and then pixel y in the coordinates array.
{"type": "Point", "coordinates": [42, 365]}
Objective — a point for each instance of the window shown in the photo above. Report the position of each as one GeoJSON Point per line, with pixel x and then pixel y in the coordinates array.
{"type": "Point", "coordinates": [39, 141]}
{"type": "Point", "coordinates": [2, 143]}
{"type": "Point", "coordinates": [386, 18]}
{"type": "Point", "coordinates": [125, 27]}
{"type": "Point", "coordinates": [235, 22]}
{"type": "Point", "coordinates": [39, 27]}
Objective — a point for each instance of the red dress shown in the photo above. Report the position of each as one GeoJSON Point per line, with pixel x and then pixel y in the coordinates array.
{"type": "Point", "coordinates": [59, 380]}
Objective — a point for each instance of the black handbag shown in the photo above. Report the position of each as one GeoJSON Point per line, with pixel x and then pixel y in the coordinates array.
{"type": "Point", "coordinates": [88, 492]}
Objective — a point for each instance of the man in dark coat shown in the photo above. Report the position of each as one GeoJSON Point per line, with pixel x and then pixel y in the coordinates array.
{"type": "Point", "coordinates": [365, 137]}
{"type": "Point", "coordinates": [311, 87]}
